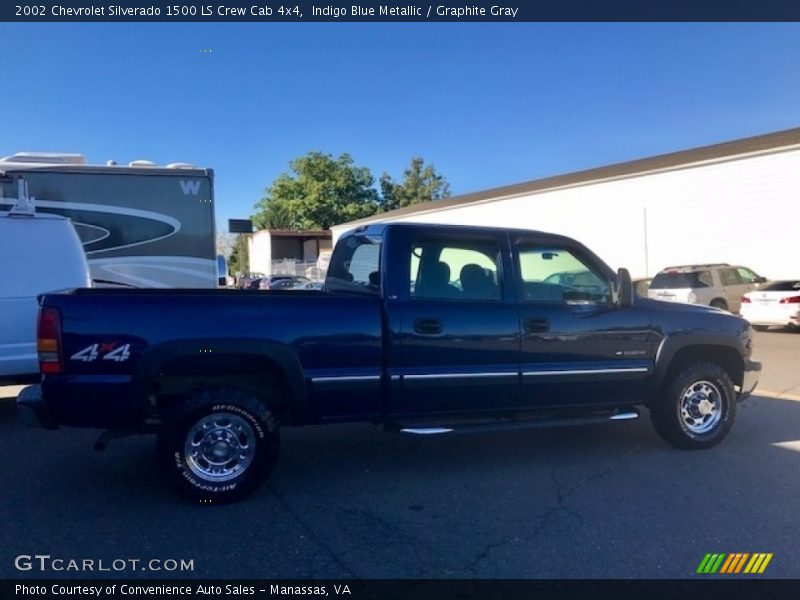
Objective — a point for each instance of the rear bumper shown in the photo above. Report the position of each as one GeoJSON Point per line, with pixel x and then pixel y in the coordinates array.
{"type": "Point", "coordinates": [779, 316]}
{"type": "Point", "coordinates": [98, 402]}
{"type": "Point", "coordinates": [752, 371]}
{"type": "Point", "coordinates": [33, 410]}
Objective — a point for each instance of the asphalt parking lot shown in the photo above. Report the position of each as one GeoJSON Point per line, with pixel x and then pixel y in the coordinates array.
{"type": "Point", "coordinates": [351, 501]}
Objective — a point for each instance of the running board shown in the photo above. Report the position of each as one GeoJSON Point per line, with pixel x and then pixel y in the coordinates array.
{"type": "Point", "coordinates": [509, 424]}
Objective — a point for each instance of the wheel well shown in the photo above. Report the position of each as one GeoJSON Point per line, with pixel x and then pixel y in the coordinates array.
{"type": "Point", "coordinates": [257, 375]}
{"type": "Point", "coordinates": [724, 356]}
{"type": "Point", "coordinates": [719, 301]}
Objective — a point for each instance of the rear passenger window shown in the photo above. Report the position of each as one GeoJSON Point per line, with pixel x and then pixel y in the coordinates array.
{"type": "Point", "coordinates": [557, 275]}
{"type": "Point", "coordinates": [705, 278]}
{"type": "Point", "coordinates": [455, 270]}
{"type": "Point", "coordinates": [729, 277]}
{"type": "Point", "coordinates": [355, 265]}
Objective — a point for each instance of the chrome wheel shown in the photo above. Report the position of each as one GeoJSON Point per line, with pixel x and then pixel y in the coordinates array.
{"type": "Point", "coordinates": [220, 447]}
{"type": "Point", "coordinates": [701, 407]}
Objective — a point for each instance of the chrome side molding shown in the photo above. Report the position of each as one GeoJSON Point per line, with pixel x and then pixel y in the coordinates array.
{"type": "Point", "coordinates": [426, 430]}
{"type": "Point", "coordinates": [624, 416]}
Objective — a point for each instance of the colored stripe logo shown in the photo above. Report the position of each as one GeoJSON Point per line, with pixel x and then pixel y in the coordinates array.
{"type": "Point", "coordinates": [735, 562]}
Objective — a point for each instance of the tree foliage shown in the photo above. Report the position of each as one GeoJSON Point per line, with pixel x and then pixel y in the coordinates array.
{"type": "Point", "coordinates": [321, 191]}
{"type": "Point", "coordinates": [225, 242]}
{"type": "Point", "coordinates": [239, 261]}
{"type": "Point", "coordinates": [420, 183]}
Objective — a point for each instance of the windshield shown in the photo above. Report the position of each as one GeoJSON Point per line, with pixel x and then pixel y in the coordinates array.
{"type": "Point", "coordinates": [780, 286]}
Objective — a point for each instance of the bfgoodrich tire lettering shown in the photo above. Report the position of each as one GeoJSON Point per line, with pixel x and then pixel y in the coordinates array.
{"type": "Point", "coordinates": [221, 447]}
{"type": "Point", "coordinates": [696, 408]}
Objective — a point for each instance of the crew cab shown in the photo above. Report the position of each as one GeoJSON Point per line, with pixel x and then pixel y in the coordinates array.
{"type": "Point", "coordinates": [425, 329]}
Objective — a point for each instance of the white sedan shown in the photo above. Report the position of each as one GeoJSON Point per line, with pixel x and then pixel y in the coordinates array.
{"type": "Point", "coordinates": [774, 303]}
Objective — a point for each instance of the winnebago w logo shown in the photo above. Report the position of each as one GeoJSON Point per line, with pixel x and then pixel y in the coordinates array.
{"type": "Point", "coordinates": [736, 562]}
{"type": "Point", "coordinates": [190, 187]}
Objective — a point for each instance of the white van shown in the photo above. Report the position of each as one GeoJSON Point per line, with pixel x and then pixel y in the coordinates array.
{"type": "Point", "coordinates": [38, 253]}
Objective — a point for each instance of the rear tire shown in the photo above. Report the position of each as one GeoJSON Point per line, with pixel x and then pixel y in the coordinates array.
{"type": "Point", "coordinates": [719, 303]}
{"type": "Point", "coordinates": [696, 408]}
{"type": "Point", "coordinates": [222, 446]}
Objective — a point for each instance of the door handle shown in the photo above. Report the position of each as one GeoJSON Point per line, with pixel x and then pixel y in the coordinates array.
{"type": "Point", "coordinates": [428, 326]}
{"type": "Point", "coordinates": [536, 325]}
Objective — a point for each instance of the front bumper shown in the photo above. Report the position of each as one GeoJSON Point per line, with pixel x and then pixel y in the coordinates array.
{"type": "Point", "coordinates": [33, 410]}
{"type": "Point", "coordinates": [752, 370]}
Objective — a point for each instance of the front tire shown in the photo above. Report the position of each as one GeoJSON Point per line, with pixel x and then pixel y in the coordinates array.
{"type": "Point", "coordinates": [221, 447]}
{"type": "Point", "coordinates": [696, 408]}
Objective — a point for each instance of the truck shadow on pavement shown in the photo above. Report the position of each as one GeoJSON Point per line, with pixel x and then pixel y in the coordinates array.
{"type": "Point", "coordinates": [351, 500]}
{"type": "Point", "coordinates": [313, 457]}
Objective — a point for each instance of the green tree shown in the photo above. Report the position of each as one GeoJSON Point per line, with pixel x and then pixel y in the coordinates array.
{"type": "Point", "coordinates": [239, 261]}
{"type": "Point", "coordinates": [421, 183]}
{"type": "Point", "coordinates": [277, 213]}
{"type": "Point", "coordinates": [320, 191]}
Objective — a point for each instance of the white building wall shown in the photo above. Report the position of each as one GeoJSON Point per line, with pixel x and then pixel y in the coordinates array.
{"type": "Point", "coordinates": [260, 248]}
{"type": "Point", "coordinates": [744, 210]}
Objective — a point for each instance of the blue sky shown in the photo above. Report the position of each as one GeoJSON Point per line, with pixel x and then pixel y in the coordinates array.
{"type": "Point", "coordinates": [488, 104]}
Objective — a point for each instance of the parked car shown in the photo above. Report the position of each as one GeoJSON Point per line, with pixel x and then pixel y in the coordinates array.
{"type": "Point", "coordinates": [641, 286]}
{"type": "Point", "coordinates": [222, 271]}
{"type": "Point", "coordinates": [578, 280]}
{"type": "Point", "coordinates": [719, 285]}
{"type": "Point", "coordinates": [245, 280]}
{"type": "Point", "coordinates": [505, 351]}
{"type": "Point", "coordinates": [38, 253]}
{"type": "Point", "coordinates": [280, 282]}
{"type": "Point", "coordinates": [774, 303]}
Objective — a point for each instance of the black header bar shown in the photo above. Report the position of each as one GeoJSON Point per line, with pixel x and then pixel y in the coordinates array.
{"type": "Point", "coordinates": [393, 11]}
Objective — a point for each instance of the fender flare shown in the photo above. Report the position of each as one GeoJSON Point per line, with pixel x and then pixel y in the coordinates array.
{"type": "Point", "coordinates": [673, 344]}
{"type": "Point", "coordinates": [153, 359]}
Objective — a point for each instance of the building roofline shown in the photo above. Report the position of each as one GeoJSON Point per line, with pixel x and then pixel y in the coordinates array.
{"type": "Point", "coordinates": [310, 233]}
{"type": "Point", "coordinates": [776, 141]}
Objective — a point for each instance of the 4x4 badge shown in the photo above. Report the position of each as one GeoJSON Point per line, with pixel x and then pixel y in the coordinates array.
{"type": "Point", "coordinates": [108, 352]}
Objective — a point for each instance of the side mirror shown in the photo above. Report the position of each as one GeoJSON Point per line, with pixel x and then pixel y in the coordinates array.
{"type": "Point", "coordinates": [624, 288]}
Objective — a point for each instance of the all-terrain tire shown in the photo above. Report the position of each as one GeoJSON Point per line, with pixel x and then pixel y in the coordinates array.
{"type": "Point", "coordinates": [696, 408]}
{"type": "Point", "coordinates": [221, 446]}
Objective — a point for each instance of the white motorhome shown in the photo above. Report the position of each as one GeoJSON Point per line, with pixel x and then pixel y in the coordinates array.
{"type": "Point", "coordinates": [141, 225]}
{"type": "Point", "coordinates": [38, 253]}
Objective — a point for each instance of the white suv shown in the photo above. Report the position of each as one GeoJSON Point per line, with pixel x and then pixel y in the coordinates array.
{"type": "Point", "coordinates": [720, 285]}
{"type": "Point", "coordinates": [38, 253]}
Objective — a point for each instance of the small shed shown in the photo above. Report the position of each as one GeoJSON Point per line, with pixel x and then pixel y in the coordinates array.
{"type": "Point", "coordinates": [284, 251]}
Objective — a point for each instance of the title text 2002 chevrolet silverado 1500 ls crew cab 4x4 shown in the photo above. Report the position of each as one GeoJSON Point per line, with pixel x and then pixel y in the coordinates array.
{"type": "Point", "coordinates": [423, 328]}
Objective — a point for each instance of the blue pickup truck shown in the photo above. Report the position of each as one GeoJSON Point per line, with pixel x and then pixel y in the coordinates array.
{"type": "Point", "coordinates": [425, 329]}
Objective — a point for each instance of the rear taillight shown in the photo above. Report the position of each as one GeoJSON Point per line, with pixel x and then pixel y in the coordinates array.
{"type": "Point", "coordinates": [745, 300]}
{"type": "Point", "coordinates": [48, 338]}
{"type": "Point", "coordinates": [790, 300]}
